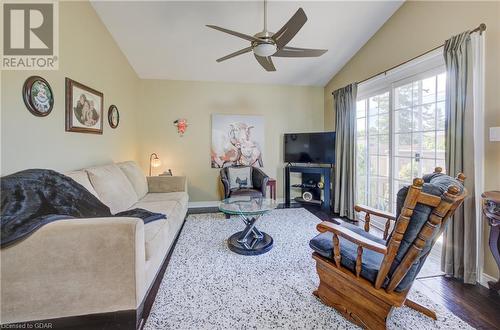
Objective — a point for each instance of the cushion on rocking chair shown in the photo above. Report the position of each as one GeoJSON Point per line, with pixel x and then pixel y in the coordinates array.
{"type": "Point", "coordinates": [323, 245]}
{"type": "Point", "coordinates": [434, 184]}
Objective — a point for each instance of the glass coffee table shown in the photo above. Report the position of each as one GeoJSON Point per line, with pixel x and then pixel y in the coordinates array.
{"type": "Point", "coordinates": [249, 241]}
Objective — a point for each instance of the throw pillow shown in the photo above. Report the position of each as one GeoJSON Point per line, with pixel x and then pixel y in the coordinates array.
{"type": "Point", "coordinates": [240, 177]}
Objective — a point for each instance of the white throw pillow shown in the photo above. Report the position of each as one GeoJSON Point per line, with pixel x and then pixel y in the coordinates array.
{"type": "Point", "coordinates": [82, 178]}
{"type": "Point", "coordinates": [136, 177]}
{"type": "Point", "coordinates": [240, 177]}
{"type": "Point", "coordinates": [113, 187]}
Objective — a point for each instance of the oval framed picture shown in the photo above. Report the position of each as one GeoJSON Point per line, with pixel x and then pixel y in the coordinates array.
{"type": "Point", "coordinates": [113, 116]}
{"type": "Point", "coordinates": [38, 96]}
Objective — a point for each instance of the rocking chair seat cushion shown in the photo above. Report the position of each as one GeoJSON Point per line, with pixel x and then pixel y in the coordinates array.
{"type": "Point", "coordinates": [323, 245]}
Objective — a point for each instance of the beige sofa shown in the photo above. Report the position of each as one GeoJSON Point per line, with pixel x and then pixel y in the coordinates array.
{"type": "Point", "coordinates": [100, 265]}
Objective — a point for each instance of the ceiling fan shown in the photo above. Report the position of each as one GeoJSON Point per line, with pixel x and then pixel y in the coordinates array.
{"type": "Point", "coordinates": [266, 44]}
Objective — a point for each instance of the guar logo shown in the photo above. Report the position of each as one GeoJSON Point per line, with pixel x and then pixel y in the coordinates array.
{"type": "Point", "coordinates": [30, 39]}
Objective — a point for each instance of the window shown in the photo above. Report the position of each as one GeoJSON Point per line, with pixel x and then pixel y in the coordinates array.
{"type": "Point", "coordinates": [373, 151]}
{"type": "Point", "coordinates": [400, 135]}
{"type": "Point", "coordinates": [418, 129]}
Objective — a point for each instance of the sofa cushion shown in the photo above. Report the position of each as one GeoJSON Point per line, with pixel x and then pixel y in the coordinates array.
{"type": "Point", "coordinates": [136, 177]}
{"type": "Point", "coordinates": [240, 177]}
{"type": "Point", "coordinates": [323, 244]}
{"type": "Point", "coordinates": [155, 233]}
{"type": "Point", "coordinates": [155, 237]}
{"type": "Point", "coordinates": [82, 178]}
{"type": "Point", "coordinates": [246, 192]}
{"type": "Point", "coordinates": [113, 187]}
{"type": "Point", "coordinates": [179, 196]}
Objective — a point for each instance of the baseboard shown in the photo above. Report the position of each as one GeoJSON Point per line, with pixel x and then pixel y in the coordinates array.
{"type": "Point", "coordinates": [485, 278]}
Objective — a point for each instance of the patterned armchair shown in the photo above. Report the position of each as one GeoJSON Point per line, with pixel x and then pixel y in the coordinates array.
{"type": "Point", "coordinates": [363, 276]}
{"type": "Point", "coordinates": [259, 183]}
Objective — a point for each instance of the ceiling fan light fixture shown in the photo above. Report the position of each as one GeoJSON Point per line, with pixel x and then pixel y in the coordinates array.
{"type": "Point", "coordinates": [265, 49]}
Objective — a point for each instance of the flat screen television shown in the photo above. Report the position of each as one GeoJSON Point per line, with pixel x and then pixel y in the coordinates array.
{"type": "Point", "coordinates": [317, 148]}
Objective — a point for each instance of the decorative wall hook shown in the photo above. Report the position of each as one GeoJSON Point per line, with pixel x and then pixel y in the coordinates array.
{"type": "Point", "coordinates": [181, 125]}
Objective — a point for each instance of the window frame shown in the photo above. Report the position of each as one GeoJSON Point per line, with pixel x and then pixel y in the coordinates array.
{"type": "Point", "coordinates": [426, 66]}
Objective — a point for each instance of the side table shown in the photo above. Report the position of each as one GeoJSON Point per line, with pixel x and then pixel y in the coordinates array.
{"type": "Point", "coordinates": [491, 210]}
{"type": "Point", "coordinates": [271, 183]}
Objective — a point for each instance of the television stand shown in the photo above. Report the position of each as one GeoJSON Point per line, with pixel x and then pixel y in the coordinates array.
{"type": "Point", "coordinates": [310, 173]}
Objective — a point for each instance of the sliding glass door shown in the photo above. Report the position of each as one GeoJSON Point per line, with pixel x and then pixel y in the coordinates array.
{"type": "Point", "coordinates": [400, 136]}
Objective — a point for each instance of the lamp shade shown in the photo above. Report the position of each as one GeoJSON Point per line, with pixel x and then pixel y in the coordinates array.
{"type": "Point", "coordinates": [264, 50]}
{"type": "Point", "coordinates": [155, 162]}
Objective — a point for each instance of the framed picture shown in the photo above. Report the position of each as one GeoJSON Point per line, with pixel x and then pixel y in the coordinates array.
{"type": "Point", "coordinates": [237, 140]}
{"type": "Point", "coordinates": [113, 116]}
{"type": "Point", "coordinates": [38, 96]}
{"type": "Point", "coordinates": [84, 108]}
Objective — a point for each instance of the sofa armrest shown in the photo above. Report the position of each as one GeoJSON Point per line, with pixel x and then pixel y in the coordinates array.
{"type": "Point", "coordinates": [259, 180]}
{"type": "Point", "coordinates": [163, 184]}
{"type": "Point", "coordinates": [74, 267]}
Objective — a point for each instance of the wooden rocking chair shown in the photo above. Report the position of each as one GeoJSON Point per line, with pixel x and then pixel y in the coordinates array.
{"type": "Point", "coordinates": [363, 276]}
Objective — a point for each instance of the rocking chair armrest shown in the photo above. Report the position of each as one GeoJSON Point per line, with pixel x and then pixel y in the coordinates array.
{"type": "Point", "coordinates": [371, 210]}
{"type": "Point", "coordinates": [351, 236]}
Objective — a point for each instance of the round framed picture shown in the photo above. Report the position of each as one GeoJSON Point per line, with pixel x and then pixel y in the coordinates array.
{"type": "Point", "coordinates": [113, 116]}
{"type": "Point", "coordinates": [38, 96]}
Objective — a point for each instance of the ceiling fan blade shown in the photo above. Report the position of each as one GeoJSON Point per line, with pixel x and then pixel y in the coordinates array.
{"type": "Point", "coordinates": [234, 33]}
{"type": "Point", "coordinates": [239, 52]}
{"type": "Point", "coordinates": [290, 29]}
{"type": "Point", "coordinates": [266, 62]}
{"type": "Point", "coordinates": [299, 52]}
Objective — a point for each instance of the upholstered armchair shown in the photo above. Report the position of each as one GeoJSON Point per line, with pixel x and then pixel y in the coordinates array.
{"type": "Point", "coordinates": [259, 182]}
{"type": "Point", "coordinates": [364, 276]}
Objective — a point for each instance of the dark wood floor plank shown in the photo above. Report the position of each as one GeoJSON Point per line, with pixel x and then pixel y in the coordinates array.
{"type": "Point", "coordinates": [474, 304]}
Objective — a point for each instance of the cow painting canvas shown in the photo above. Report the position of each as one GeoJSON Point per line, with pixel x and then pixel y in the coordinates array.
{"type": "Point", "coordinates": [237, 140]}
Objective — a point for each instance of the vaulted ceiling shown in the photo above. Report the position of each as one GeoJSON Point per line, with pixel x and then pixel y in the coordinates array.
{"type": "Point", "coordinates": [169, 40]}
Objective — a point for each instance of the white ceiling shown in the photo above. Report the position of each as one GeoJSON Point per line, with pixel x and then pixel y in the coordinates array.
{"type": "Point", "coordinates": [169, 40]}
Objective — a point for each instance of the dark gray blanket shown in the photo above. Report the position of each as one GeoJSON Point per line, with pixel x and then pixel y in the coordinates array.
{"type": "Point", "coordinates": [33, 198]}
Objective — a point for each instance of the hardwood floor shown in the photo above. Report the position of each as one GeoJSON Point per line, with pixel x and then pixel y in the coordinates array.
{"type": "Point", "coordinates": [474, 304]}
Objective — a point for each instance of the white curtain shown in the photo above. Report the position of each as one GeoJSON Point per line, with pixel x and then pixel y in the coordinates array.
{"type": "Point", "coordinates": [464, 60]}
{"type": "Point", "coordinates": [478, 73]}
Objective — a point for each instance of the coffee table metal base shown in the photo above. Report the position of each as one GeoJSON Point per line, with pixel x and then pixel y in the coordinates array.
{"type": "Point", "coordinates": [250, 241]}
{"type": "Point", "coordinates": [252, 247]}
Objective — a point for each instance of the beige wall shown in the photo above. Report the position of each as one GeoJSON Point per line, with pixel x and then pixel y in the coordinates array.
{"type": "Point", "coordinates": [415, 28]}
{"type": "Point", "coordinates": [285, 109]}
{"type": "Point", "coordinates": [88, 54]}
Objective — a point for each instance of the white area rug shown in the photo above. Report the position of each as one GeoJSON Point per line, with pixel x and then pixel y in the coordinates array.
{"type": "Point", "coordinates": [206, 286]}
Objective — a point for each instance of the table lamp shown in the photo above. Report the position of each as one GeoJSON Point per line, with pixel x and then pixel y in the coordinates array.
{"type": "Point", "coordinates": [154, 161]}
